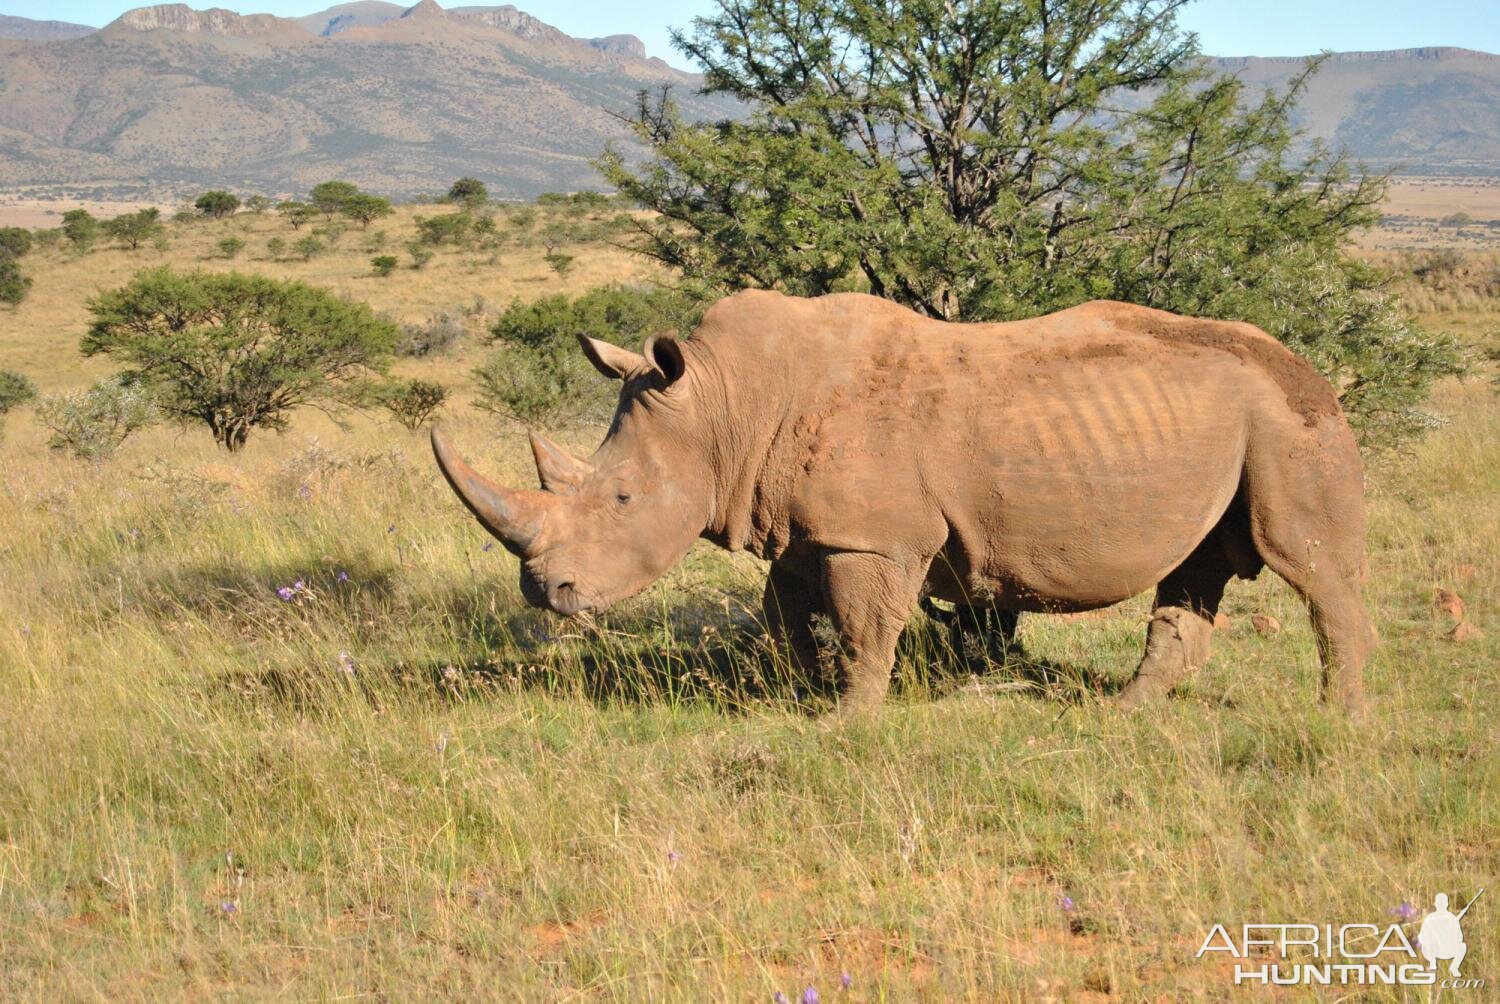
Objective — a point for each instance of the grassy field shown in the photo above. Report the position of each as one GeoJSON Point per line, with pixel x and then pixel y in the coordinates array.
{"type": "Point", "coordinates": [404, 784]}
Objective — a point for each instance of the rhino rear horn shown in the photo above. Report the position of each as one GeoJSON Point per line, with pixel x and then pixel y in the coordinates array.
{"type": "Point", "coordinates": [560, 471]}
{"type": "Point", "coordinates": [514, 517]}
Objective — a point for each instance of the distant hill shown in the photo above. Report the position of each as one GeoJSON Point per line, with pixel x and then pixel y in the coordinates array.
{"type": "Point", "coordinates": [404, 99]}
{"type": "Point", "coordinates": [23, 27]}
{"type": "Point", "coordinates": [1422, 111]}
{"type": "Point", "coordinates": [400, 100]}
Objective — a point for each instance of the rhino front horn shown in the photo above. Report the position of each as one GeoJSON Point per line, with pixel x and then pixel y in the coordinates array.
{"type": "Point", "coordinates": [514, 517]}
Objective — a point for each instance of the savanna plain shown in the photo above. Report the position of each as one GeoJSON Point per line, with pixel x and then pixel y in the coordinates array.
{"type": "Point", "coordinates": [402, 783]}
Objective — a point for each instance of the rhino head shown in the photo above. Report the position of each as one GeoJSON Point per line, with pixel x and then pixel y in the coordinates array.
{"type": "Point", "coordinates": [603, 529]}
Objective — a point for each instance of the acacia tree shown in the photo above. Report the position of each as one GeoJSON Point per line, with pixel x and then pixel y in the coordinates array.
{"type": "Point", "coordinates": [329, 196]}
{"type": "Point", "coordinates": [996, 159]}
{"type": "Point", "coordinates": [365, 208]}
{"type": "Point", "coordinates": [134, 229]}
{"type": "Point", "coordinates": [235, 351]}
{"type": "Point", "coordinates": [217, 203]}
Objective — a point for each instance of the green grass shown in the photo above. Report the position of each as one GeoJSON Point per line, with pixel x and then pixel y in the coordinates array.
{"type": "Point", "coordinates": [199, 799]}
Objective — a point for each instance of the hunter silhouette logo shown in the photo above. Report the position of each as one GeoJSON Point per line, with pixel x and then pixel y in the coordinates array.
{"type": "Point", "coordinates": [1441, 937]}
{"type": "Point", "coordinates": [1360, 954]}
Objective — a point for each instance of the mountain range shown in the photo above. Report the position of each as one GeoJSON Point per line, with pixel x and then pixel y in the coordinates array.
{"type": "Point", "coordinates": [404, 99]}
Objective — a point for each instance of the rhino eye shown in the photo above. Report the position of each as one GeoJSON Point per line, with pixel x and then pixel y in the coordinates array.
{"type": "Point", "coordinates": [622, 498]}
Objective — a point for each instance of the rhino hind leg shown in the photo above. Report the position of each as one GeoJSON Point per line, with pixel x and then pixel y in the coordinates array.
{"type": "Point", "coordinates": [978, 633]}
{"type": "Point", "coordinates": [1182, 621]}
{"type": "Point", "coordinates": [793, 599]}
{"type": "Point", "coordinates": [1308, 525]}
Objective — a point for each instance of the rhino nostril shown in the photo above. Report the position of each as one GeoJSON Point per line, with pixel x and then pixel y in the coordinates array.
{"type": "Point", "coordinates": [565, 587]}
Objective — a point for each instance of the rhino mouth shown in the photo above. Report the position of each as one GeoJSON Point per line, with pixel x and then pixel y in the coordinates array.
{"type": "Point", "coordinates": [564, 598]}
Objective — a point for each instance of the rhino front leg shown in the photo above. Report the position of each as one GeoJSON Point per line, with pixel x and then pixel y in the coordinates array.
{"type": "Point", "coordinates": [869, 598]}
{"type": "Point", "coordinates": [794, 596]}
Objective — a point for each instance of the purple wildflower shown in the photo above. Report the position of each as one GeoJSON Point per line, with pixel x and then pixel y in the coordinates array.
{"type": "Point", "coordinates": [229, 906]}
{"type": "Point", "coordinates": [1066, 904]}
{"type": "Point", "coordinates": [809, 996]}
{"type": "Point", "coordinates": [286, 593]}
{"type": "Point", "coordinates": [846, 981]}
{"type": "Point", "coordinates": [1405, 911]}
{"type": "Point", "coordinates": [778, 998]}
{"type": "Point", "coordinates": [304, 492]}
{"type": "Point", "coordinates": [673, 857]}
{"type": "Point", "coordinates": [299, 586]}
{"type": "Point", "coordinates": [342, 576]}
{"type": "Point", "coordinates": [346, 662]}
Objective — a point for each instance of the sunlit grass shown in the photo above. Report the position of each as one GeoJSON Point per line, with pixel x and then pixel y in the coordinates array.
{"type": "Point", "coordinates": [403, 783]}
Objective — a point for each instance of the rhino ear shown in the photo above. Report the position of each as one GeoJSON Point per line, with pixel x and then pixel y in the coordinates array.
{"type": "Point", "coordinates": [665, 356]}
{"type": "Point", "coordinates": [611, 360]}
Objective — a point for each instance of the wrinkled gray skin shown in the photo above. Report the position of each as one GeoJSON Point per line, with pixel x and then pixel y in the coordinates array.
{"type": "Point", "coordinates": [874, 457]}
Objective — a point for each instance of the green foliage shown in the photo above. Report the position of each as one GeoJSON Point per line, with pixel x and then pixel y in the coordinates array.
{"type": "Point", "coordinates": [308, 246]}
{"type": "Point", "coordinates": [365, 208]}
{"type": "Point", "coordinates": [258, 204]}
{"type": "Point", "coordinates": [469, 192]}
{"type": "Point", "coordinates": [451, 228]}
{"type": "Point", "coordinates": [330, 196]}
{"type": "Point", "coordinates": [296, 213]}
{"type": "Point", "coordinates": [560, 263]}
{"type": "Point", "coordinates": [15, 242]}
{"type": "Point", "coordinates": [413, 402]}
{"type": "Point", "coordinates": [80, 228]}
{"type": "Point", "coordinates": [993, 160]}
{"type": "Point", "coordinates": [230, 247]}
{"type": "Point", "coordinates": [15, 390]}
{"type": "Point", "coordinates": [234, 351]}
{"type": "Point", "coordinates": [217, 203]}
{"type": "Point", "coordinates": [275, 247]}
{"type": "Point", "coordinates": [383, 265]}
{"type": "Point", "coordinates": [1456, 220]}
{"type": "Point", "coordinates": [14, 284]}
{"type": "Point", "coordinates": [134, 229]}
{"type": "Point", "coordinates": [538, 375]}
{"type": "Point", "coordinates": [92, 424]}
{"type": "Point", "coordinates": [420, 255]}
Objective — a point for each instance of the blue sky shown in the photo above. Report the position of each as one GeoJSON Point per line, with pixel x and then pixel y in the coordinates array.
{"type": "Point", "coordinates": [1226, 27]}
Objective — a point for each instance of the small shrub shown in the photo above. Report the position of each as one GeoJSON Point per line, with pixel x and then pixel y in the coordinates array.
{"type": "Point", "coordinates": [275, 247]}
{"type": "Point", "coordinates": [258, 204]}
{"type": "Point", "coordinates": [383, 265]}
{"type": "Point", "coordinates": [15, 242]}
{"type": "Point", "coordinates": [452, 228]}
{"type": "Point", "coordinates": [15, 390]}
{"type": "Point", "coordinates": [230, 247]}
{"type": "Point", "coordinates": [307, 247]}
{"type": "Point", "coordinates": [13, 284]}
{"type": "Point", "coordinates": [439, 332]}
{"type": "Point", "coordinates": [91, 424]}
{"type": "Point", "coordinates": [420, 255]}
{"type": "Point", "coordinates": [413, 402]}
{"type": "Point", "coordinates": [296, 213]}
{"type": "Point", "coordinates": [561, 263]}
{"type": "Point", "coordinates": [80, 228]}
{"type": "Point", "coordinates": [537, 373]}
